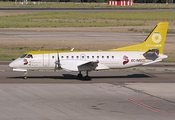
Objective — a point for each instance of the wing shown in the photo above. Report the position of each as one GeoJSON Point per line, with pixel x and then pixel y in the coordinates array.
{"type": "Point", "coordinates": [89, 65]}
{"type": "Point", "coordinates": [78, 65]}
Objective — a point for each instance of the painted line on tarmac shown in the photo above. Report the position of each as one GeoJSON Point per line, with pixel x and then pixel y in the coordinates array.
{"type": "Point", "coordinates": [139, 91]}
{"type": "Point", "coordinates": [143, 105]}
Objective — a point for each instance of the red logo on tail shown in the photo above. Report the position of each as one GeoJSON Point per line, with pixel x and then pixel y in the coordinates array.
{"type": "Point", "coordinates": [126, 60]}
{"type": "Point", "coordinates": [25, 61]}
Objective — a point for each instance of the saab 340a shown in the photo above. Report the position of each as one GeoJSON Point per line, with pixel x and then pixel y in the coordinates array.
{"type": "Point", "coordinates": [148, 52]}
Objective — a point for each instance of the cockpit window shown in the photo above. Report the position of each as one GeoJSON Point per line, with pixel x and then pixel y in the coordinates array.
{"type": "Point", "coordinates": [29, 56]}
{"type": "Point", "coordinates": [23, 56]}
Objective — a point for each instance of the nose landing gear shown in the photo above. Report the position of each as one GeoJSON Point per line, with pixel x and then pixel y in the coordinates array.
{"type": "Point", "coordinates": [25, 75]}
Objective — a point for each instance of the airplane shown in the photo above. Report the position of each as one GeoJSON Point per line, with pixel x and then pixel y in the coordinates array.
{"type": "Point", "coordinates": [148, 52]}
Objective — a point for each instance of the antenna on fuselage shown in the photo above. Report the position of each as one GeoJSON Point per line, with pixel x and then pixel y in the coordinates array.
{"type": "Point", "coordinates": [72, 49]}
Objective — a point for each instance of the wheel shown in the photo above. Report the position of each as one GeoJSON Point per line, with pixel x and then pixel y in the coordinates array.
{"type": "Point", "coordinates": [79, 76]}
{"type": "Point", "coordinates": [87, 78]}
{"type": "Point", "coordinates": [25, 75]}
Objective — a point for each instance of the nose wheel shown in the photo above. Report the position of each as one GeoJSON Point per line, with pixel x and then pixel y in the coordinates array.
{"type": "Point", "coordinates": [25, 75]}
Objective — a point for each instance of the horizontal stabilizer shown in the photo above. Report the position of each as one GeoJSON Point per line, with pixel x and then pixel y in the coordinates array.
{"type": "Point", "coordinates": [152, 62]}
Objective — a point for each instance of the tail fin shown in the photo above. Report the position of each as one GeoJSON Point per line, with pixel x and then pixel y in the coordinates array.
{"type": "Point", "coordinates": [155, 40]}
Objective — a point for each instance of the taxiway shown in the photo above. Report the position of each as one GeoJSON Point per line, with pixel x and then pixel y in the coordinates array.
{"type": "Point", "coordinates": [110, 95]}
{"type": "Point", "coordinates": [77, 36]}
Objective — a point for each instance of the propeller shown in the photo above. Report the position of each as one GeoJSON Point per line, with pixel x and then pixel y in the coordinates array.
{"type": "Point", "coordinates": [57, 63]}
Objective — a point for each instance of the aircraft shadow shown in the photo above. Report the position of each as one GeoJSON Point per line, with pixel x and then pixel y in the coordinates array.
{"type": "Point", "coordinates": [70, 76]}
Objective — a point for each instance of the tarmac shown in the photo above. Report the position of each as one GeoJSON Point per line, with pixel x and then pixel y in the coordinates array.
{"type": "Point", "coordinates": [77, 36]}
{"type": "Point", "coordinates": [85, 101]}
{"type": "Point", "coordinates": [110, 95]}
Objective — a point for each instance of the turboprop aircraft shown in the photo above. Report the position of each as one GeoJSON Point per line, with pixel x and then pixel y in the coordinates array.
{"type": "Point", "coordinates": [148, 52]}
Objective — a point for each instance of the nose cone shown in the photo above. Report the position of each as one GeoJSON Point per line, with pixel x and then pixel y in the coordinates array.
{"type": "Point", "coordinates": [12, 65]}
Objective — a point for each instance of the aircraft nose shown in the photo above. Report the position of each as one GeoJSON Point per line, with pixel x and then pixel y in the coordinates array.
{"type": "Point", "coordinates": [12, 65]}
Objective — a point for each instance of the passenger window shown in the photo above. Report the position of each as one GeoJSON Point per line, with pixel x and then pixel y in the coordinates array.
{"type": "Point", "coordinates": [62, 57]}
{"type": "Point", "coordinates": [92, 57]}
{"type": "Point", "coordinates": [72, 57]}
{"type": "Point", "coordinates": [87, 57]}
{"type": "Point", "coordinates": [82, 57]}
{"type": "Point", "coordinates": [112, 57]}
{"type": "Point", "coordinates": [77, 57]}
{"type": "Point", "coordinates": [29, 56]}
{"type": "Point", "coordinates": [97, 57]}
{"type": "Point", "coordinates": [67, 57]}
{"type": "Point", "coordinates": [102, 57]}
{"type": "Point", "coordinates": [53, 57]}
{"type": "Point", "coordinates": [107, 57]}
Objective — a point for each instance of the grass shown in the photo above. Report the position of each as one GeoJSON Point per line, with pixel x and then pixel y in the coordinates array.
{"type": "Point", "coordinates": [9, 54]}
{"type": "Point", "coordinates": [74, 19]}
{"type": "Point", "coordinates": [83, 5]}
{"type": "Point", "coordinates": [149, 30]}
{"type": "Point", "coordinates": [172, 31]}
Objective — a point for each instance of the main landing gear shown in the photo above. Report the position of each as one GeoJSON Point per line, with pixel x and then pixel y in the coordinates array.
{"type": "Point", "coordinates": [87, 76]}
{"type": "Point", "coordinates": [80, 76]}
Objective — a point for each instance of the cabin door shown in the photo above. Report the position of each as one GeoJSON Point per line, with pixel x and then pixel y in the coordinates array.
{"type": "Point", "coordinates": [46, 59]}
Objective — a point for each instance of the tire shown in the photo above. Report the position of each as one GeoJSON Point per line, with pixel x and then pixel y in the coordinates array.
{"type": "Point", "coordinates": [80, 76]}
{"type": "Point", "coordinates": [87, 78]}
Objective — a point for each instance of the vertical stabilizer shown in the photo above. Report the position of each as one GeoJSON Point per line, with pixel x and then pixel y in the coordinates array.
{"type": "Point", "coordinates": [155, 40]}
